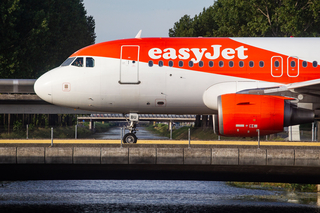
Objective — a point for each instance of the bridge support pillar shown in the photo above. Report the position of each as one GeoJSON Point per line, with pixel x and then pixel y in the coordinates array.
{"type": "Point", "coordinates": [90, 124]}
{"type": "Point", "coordinates": [204, 121]}
{"type": "Point", "coordinates": [314, 131]}
{"type": "Point", "coordinates": [170, 129]}
{"type": "Point", "coordinates": [294, 133]}
{"type": "Point", "coordinates": [198, 121]}
{"type": "Point", "coordinates": [318, 131]}
{"type": "Point", "coordinates": [170, 125]}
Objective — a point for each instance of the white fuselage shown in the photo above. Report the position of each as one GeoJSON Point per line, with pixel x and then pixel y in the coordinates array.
{"type": "Point", "coordinates": [122, 80]}
{"type": "Point", "coordinates": [98, 88]}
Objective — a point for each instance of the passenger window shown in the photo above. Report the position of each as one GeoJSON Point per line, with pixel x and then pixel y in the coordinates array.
{"type": "Point", "coordinates": [261, 64]}
{"type": "Point", "coordinates": [200, 63]}
{"type": "Point", "coordinates": [276, 63]}
{"type": "Point", "coordinates": [160, 63]}
{"type": "Point", "coordinates": [89, 62]}
{"type": "Point", "coordinates": [150, 63]}
{"type": "Point", "coordinates": [210, 63]}
{"type": "Point", "coordinates": [231, 64]}
{"type": "Point", "coordinates": [315, 63]}
{"type": "Point", "coordinates": [241, 63]}
{"type": "Point", "coordinates": [304, 64]}
{"type": "Point", "coordinates": [221, 64]}
{"type": "Point", "coordinates": [170, 63]}
{"type": "Point", "coordinates": [251, 63]}
{"type": "Point", "coordinates": [78, 62]}
{"type": "Point", "coordinates": [293, 64]}
{"type": "Point", "coordinates": [190, 63]}
{"type": "Point", "coordinates": [67, 62]}
{"type": "Point", "coordinates": [180, 63]}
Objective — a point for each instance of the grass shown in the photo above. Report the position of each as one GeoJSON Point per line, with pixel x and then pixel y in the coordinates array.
{"type": "Point", "coordinates": [276, 186]}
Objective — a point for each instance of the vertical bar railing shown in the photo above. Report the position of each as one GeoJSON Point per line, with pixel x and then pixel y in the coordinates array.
{"type": "Point", "coordinates": [76, 131]}
{"type": "Point", "coordinates": [121, 136]}
{"type": "Point", "coordinates": [27, 132]}
{"type": "Point", "coordinates": [51, 136]}
{"type": "Point", "coordinates": [258, 130]}
{"type": "Point", "coordinates": [189, 138]}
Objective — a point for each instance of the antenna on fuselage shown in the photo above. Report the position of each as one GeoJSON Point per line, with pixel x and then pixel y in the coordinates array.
{"type": "Point", "coordinates": [139, 34]}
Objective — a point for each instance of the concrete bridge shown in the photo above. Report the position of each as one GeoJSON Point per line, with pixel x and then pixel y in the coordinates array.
{"type": "Point", "coordinates": [165, 162]}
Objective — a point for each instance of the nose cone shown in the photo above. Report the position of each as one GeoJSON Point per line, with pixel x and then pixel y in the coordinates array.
{"type": "Point", "coordinates": [43, 87]}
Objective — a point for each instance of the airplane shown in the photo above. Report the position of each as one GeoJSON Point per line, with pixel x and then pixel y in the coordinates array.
{"type": "Point", "coordinates": [251, 86]}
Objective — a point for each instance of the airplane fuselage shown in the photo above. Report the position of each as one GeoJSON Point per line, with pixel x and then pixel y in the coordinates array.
{"type": "Point", "coordinates": [176, 75]}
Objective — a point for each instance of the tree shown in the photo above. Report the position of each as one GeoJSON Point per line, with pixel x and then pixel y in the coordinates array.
{"type": "Point", "coordinates": [200, 25]}
{"type": "Point", "coordinates": [183, 28]}
{"type": "Point", "coordinates": [253, 18]}
{"type": "Point", "coordinates": [39, 35]}
{"type": "Point", "coordinates": [9, 13]}
{"type": "Point", "coordinates": [235, 18]}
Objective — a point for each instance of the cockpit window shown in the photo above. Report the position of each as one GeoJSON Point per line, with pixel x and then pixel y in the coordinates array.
{"type": "Point", "coordinates": [89, 62]}
{"type": "Point", "coordinates": [67, 62]}
{"type": "Point", "coordinates": [78, 62]}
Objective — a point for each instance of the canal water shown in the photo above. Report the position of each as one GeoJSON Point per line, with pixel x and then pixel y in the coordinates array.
{"type": "Point", "coordinates": [147, 196]}
{"type": "Point", "coordinates": [114, 134]}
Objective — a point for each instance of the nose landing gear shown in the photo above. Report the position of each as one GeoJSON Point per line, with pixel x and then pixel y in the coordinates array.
{"type": "Point", "coordinates": [131, 136]}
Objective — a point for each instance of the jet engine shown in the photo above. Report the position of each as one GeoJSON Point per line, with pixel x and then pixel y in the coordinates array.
{"type": "Point", "coordinates": [242, 115]}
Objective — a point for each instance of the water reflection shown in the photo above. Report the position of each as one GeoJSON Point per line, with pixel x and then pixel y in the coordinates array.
{"type": "Point", "coordinates": [147, 196]}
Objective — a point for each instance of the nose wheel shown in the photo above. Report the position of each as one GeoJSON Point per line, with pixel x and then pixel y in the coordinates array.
{"type": "Point", "coordinates": [130, 138]}
{"type": "Point", "coordinates": [132, 127]}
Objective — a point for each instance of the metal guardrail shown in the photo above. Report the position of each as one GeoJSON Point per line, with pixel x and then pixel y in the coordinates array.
{"type": "Point", "coordinates": [142, 117]}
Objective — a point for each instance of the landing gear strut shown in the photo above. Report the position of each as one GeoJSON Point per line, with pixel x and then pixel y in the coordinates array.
{"type": "Point", "coordinates": [131, 136]}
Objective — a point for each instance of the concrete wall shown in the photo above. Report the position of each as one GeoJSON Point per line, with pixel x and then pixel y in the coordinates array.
{"type": "Point", "coordinates": [59, 155]}
{"type": "Point", "coordinates": [8, 155]}
{"type": "Point", "coordinates": [86, 155]}
{"type": "Point", "coordinates": [170, 156]}
{"type": "Point", "coordinates": [225, 156]}
{"type": "Point", "coordinates": [30, 155]}
{"type": "Point", "coordinates": [198, 156]}
{"type": "Point", "coordinates": [114, 156]}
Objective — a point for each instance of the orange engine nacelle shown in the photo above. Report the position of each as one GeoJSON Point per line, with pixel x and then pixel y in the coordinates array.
{"type": "Point", "coordinates": [243, 115]}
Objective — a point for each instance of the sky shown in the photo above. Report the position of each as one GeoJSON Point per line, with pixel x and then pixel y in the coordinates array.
{"type": "Point", "coordinates": [118, 19]}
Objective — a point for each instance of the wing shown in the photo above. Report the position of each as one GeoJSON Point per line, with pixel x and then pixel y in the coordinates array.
{"type": "Point", "coordinates": [306, 93]}
{"type": "Point", "coordinates": [307, 87]}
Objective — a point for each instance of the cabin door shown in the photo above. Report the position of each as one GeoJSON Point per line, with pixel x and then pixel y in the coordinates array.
{"type": "Point", "coordinates": [129, 64]}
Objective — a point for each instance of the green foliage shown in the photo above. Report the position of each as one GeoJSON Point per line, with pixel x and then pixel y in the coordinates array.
{"type": "Point", "coordinates": [39, 35]}
{"type": "Point", "coordinates": [84, 132]}
{"type": "Point", "coordinates": [102, 127]}
{"type": "Point", "coordinates": [17, 126]}
{"type": "Point", "coordinates": [276, 186]}
{"type": "Point", "coordinates": [303, 187]}
{"type": "Point", "coordinates": [159, 129]}
{"type": "Point", "coordinates": [252, 18]}
{"type": "Point", "coordinates": [30, 127]}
